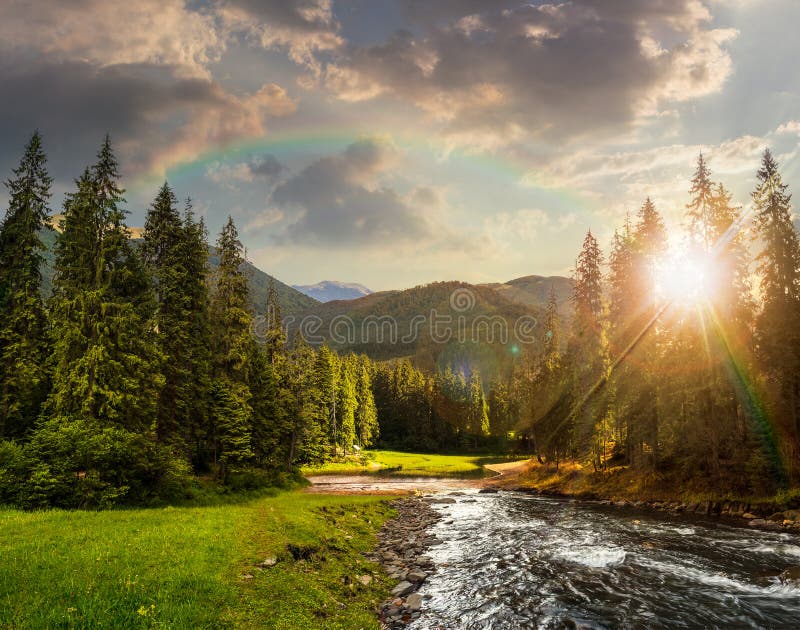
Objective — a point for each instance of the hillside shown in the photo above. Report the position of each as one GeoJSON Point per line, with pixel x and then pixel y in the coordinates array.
{"type": "Point", "coordinates": [329, 290]}
{"type": "Point", "coordinates": [535, 291]}
{"type": "Point", "coordinates": [291, 300]}
{"type": "Point", "coordinates": [438, 324]}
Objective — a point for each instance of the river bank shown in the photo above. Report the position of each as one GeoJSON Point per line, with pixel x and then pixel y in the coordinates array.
{"type": "Point", "coordinates": [626, 489]}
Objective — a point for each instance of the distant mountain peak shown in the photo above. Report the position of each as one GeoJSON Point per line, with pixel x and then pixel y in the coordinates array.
{"type": "Point", "coordinates": [329, 290]}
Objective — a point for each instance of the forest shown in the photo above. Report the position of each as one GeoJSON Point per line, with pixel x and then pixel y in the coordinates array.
{"type": "Point", "coordinates": [141, 370]}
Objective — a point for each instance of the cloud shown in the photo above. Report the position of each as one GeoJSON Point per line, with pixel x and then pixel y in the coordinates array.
{"type": "Point", "coordinates": [111, 33]}
{"type": "Point", "coordinates": [789, 127]}
{"type": "Point", "coordinates": [303, 27]}
{"type": "Point", "coordinates": [156, 118]}
{"type": "Point", "coordinates": [582, 170]}
{"type": "Point", "coordinates": [340, 201]}
{"type": "Point", "coordinates": [139, 71]}
{"type": "Point", "coordinates": [267, 217]}
{"type": "Point", "coordinates": [494, 73]}
{"type": "Point", "coordinates": [264, 167]}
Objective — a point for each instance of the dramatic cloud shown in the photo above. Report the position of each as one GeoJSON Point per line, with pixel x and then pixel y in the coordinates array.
{"type": "Point", "coordinates": [82, 68]}
{"type": "Point", "coordinates": [340, 201]}
{"type": "Point", "coordinates": [109, 33]}
{"type": "Point", "coordinates": [491, 73]}
{"type": "Point", "coordinates": [75, 103]}
{"type": "Point", "coordinates": [303, 27]}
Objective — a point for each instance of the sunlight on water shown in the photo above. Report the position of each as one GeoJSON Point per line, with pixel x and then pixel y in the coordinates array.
{"type": "Point", "coordinates": [511, 560]}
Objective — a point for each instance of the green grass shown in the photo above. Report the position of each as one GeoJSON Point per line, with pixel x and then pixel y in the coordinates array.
{"type": "Point", "coordinates": [410, 464]}
{"type": "Point", "coordinates": [190, 567]}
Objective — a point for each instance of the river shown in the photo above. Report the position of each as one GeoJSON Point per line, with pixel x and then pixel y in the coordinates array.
{"type": "Point", "coordinates": [511, 560]}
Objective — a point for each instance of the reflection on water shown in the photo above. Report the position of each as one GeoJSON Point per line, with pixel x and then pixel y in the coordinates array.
{"type": "Point", "coordinates": [517, 561]}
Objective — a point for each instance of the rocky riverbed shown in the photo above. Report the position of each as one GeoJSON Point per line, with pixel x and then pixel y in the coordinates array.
{"type": "Point", "coordinates": [402, 543]}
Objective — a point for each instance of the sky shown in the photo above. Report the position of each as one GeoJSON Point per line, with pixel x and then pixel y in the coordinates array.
{"type": "Point", "coordinates": [399, 142]}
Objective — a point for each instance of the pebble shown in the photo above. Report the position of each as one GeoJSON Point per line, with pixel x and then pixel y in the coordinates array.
{"type": "Point", "coordinates": [402, 543]}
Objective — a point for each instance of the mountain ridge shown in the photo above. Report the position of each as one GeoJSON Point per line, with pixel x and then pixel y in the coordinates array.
{"type": "Point", "coordinates": [329, 290]}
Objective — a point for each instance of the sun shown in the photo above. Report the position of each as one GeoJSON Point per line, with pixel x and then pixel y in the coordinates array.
{"type": "Point", "coordinates": [684, 278]}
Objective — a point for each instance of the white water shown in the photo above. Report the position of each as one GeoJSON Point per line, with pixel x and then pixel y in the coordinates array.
{"type": "Point", "coordinates": [517, 561]}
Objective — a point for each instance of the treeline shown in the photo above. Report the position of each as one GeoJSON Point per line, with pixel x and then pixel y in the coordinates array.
{"type": "Point", "coordinates": [141, 368]}
{"type": "Point", "coordinates": [446, 411]}
{"type": "Point", "coordinates": [701, 379]}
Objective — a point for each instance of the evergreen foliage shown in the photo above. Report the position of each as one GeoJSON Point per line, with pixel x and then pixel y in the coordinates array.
{"type": "Point", "coordinates": [23, 330]}
{"type": "Point", "coordinates": [143, 368]}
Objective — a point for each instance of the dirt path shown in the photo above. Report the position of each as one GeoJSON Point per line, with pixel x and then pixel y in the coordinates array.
{"type": "Point", "coordinates": [506, 472]}
{"type": "Point", "coordinates": [375, 484]}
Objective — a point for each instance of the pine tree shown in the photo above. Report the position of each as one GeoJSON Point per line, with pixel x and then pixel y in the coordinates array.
{"type": "Point", "coordinates": [275, 338]}
{"type": "Point", "coordinates": [163, 235]}
{"type": "Point", "coordinates": [106, 363]}
{"type": "Point", "coordinates": [231, 341]}
{"type": "Point", "coordinates": [650, 249]}
{"type": "Point", "coordinates": [347, 402]}
{"type": "Point", "coordinates": [623, 319]}
{"type": "Point", "coordinates": [366, 416]}
{"type": "Point", "coordinates": [269, 402]}
{"type": "Point", "coordinates": [23, 329]}
{"type": "Point", "coordinates": [588, 347]}
{"type": "Point", "coordinates": [478, 414]}
{"type": "Point", "coordinates": [193, 248]}
{"type": "Point", "coordinates": [552, 327]}
{"type": "Point", "coordinates": [311, 409]}
{"type": "Point", "coordinates": [230, 310]}
{"type": "Point", "coordinates": [700, 210]}
{"type": "Point", "coordinates": [778, 267]}
{"type": "Point", "coordinates": [323, 387]}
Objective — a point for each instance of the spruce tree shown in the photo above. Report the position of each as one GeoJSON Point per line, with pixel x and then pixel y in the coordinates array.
{"type": "Point", "coordinates": [164, 258]}
{"type": "Point", "coordinates": [309, 441]}
{"type": "Point", "coordinates": [650, 247]}
{"type": "Point", "coordinates": [23, 329]}
{"type": "Point", "coordinates": [231, 341]}
{"type": "Point", "coordinates": [552, 330]}
{"type": "Point", "coordinates": [700, 209]}
{"type": "Point", "coordinates": [623, 319]}
{"type": "Point", "coordinates": [270, 404]}
{"type": "Point", "coordinates": [193, 248]}
{"type": "Point", "coordinates": [778, 267]}
{"type": "Point", "coordinates": [106, 363]}
{"type": "Point", "coordinates": [478, 408]}
{"type": "Point", "coordinates": [275, 338]}
{"type": "Point", "coordinates": [587, 348]}
{"type": "Point", "coordinates": [366, 416]}
{"type": "Point", "coordinates": [347, 402]}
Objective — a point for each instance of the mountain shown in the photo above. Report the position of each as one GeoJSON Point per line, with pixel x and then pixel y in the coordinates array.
{"type": "Point", "coordinates": [535, 291]}
{"type": "Point", "coordinates": [437, 324]}
{"type": "Point", "coordinates": [291, 300]}
{"type": "Point", "coordinates": [329, 290]}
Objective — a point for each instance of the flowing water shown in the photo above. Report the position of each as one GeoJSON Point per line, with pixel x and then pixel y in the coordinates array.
{"type": "Point", "coordinates": [511, 560]}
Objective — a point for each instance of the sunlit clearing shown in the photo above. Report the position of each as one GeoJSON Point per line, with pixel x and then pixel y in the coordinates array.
{"type": "Point", "coordinates": [684, 278]}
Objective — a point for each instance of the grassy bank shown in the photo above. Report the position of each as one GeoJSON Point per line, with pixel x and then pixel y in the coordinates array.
{"type": "Point", "coordinates": [628, 485]}
{"type": "Point", "coordinates": [410, 464]}
{"type": "Point", "coordinates": [194, 567]}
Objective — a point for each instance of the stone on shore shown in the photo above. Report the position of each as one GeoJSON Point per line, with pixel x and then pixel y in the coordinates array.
{"type": "Point", "coordinates": [401, 549]}
{"type": "Point", "coordinates": [414, 601]}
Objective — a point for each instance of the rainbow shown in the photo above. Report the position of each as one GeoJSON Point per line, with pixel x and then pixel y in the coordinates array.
{"type": "Point", "coordinates": [507, 170]}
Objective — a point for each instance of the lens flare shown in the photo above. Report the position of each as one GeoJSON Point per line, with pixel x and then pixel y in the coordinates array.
{"type": "Point", "coordinates": [684, 279]}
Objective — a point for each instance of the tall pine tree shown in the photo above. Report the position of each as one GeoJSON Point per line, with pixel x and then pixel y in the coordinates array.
{"type": "Point", "coordinates": [778, 267]}
{"type": "Point", "coordinates": [231, 341]}
{"type": "Point", "coordinates": [106, 362]}
{"type": "Point", "coordinates": [23, 329]}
